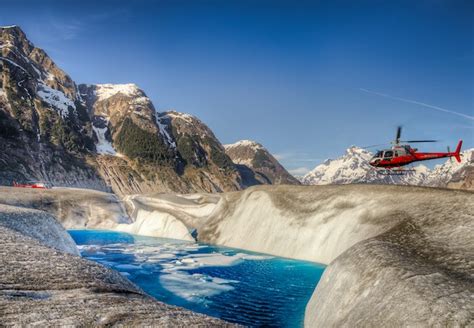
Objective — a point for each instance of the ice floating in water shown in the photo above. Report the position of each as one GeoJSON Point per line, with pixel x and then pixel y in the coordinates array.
{"type": "Point", "coordinates": [194, 287]}
{"type": "Point", "coordinates": [127, 267]}
{"type": "Point", "coordinates": [176, 261]}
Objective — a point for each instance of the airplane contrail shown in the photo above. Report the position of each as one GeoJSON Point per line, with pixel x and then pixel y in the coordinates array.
{"type": "Point", "coordinates": [418, 103]}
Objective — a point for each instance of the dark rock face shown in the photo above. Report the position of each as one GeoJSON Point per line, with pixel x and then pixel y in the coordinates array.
{"type": "Point", "coordinates": [203, 155]}
{"type": "Point", "coordinates": [256, 165]}
{"type": "Point", "coordinates": [45, 134]}
{"type": "Point", "coordinates": [45, 286]}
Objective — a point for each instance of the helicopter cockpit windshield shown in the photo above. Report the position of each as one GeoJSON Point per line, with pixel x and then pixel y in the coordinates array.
{"type": "Point", "coordinates": [378, 155]}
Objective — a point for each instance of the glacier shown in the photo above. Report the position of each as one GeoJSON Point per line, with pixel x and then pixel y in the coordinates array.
{"type": "Point", "coordinates": [383, 244]}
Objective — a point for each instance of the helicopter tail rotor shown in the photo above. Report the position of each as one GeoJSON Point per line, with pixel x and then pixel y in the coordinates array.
{"type": "Point", "coordinates": [457, 153]}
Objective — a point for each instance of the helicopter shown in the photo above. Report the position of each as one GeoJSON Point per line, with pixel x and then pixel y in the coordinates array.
{"type": "Point", "coordinates": [402, 154]}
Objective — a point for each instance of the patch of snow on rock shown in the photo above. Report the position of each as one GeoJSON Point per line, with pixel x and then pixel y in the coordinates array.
{"type": "Point", "coordinates": [14, 64]}
{"type": "Point", "coordinates": [55, 98]}
{"type": "Point", "coordinates": [162, 126]}
{"type": "Point", "coordinates": [185, 117]}
{"type": "Point", "coordinates": [103, 146]}
{"type": "Point", "coordinates": [105, 91]}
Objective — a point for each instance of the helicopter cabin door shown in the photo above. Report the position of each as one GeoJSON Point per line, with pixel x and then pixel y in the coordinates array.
{"type": "Point", "coordinates": [388, 155]}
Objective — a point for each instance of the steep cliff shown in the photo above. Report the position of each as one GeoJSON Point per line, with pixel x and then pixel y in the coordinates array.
{"type": "Point", "coordinates": [45, 132]}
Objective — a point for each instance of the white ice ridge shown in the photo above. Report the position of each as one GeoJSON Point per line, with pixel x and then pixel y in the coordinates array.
{"type": "Point", "coordinates": [168, 216]}
{"type": "Point", "coordinates": [105, 91]}
{"type": "Point", "coordinates": [103, 145]}
{"type": "Point", "coordinates": [55, 98]}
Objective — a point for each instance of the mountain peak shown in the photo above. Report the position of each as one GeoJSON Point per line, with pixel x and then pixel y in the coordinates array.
{"type": "Point", "coordinates": [257, 165]}
{"type": "Point", "coordinates": [12, 28]}
{"type": "Point", "coordinates": [179, 115]}
{"type": "Point", "coordinates": [107, 90]}
{"type": "Point", "coordinates": [245, 143]}
{"type": "Point", "coordinates": [354, 150]}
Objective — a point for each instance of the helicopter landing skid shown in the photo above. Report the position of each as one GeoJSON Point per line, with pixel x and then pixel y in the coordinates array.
{"type": "Point", "coordinates": [395, 171]}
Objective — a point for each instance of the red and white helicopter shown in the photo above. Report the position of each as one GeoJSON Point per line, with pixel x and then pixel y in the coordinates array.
{"type": "Point", "coordinates": [401, 154]}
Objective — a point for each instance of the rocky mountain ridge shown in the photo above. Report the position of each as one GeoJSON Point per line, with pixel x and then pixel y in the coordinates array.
{"type": "Point", "coordinates": [257, 165]}
{"type": "Point", "coordinates": [353, 167]}
{"type": "Point", "coordinates": [98, 136]}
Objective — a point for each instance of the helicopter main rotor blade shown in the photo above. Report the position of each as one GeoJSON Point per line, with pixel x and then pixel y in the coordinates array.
{"type": "Point", "coordinates": [399, 133]}
{"type": "Point", "coordinates": [418, 141]}
{"type": "Point", "coordinates": [372, 146]}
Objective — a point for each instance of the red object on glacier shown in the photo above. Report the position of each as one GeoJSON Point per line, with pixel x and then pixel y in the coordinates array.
{"type": "Point", "coordinates": [402, 154]}
{"type": "Point", "coordinates": [33, 185]}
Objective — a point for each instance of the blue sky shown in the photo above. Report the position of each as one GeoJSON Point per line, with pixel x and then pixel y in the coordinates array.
{"type": "Point", "coordinates": [305, 79]}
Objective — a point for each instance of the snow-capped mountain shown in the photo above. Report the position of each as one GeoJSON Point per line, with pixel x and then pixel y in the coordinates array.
{"type": "Point", "coordinates": [453, 174]}
{"type": "Point", "coordinates": [353, 167]}
{"type": "Point", "coordinates": [257, 165]}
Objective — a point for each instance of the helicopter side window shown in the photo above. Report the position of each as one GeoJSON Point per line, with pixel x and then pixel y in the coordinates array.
{"type": "Point", "coordinates": [378, 154]}
{"type": "Point", "coordinates": [388, 154]}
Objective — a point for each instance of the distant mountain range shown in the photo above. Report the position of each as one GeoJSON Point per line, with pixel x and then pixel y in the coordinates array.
{"type": "Point", "coordinates": [106, 136]}
{"type": "Point", "coordinates": [353, 167]}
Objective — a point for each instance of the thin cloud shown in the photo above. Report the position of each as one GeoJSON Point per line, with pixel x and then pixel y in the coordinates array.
{"type": "Point", "coordinates": [440, 109]}
{"type": "Point", "coordinates": [296, 157]}
{"type": "Point", "coordinates": [67, 31]}
{"type": "Point", "coordinates": [72, 29]}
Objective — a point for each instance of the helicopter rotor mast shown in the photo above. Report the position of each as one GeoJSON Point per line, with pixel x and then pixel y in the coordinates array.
{"type": "Point", "coordinates": [397, 140]}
